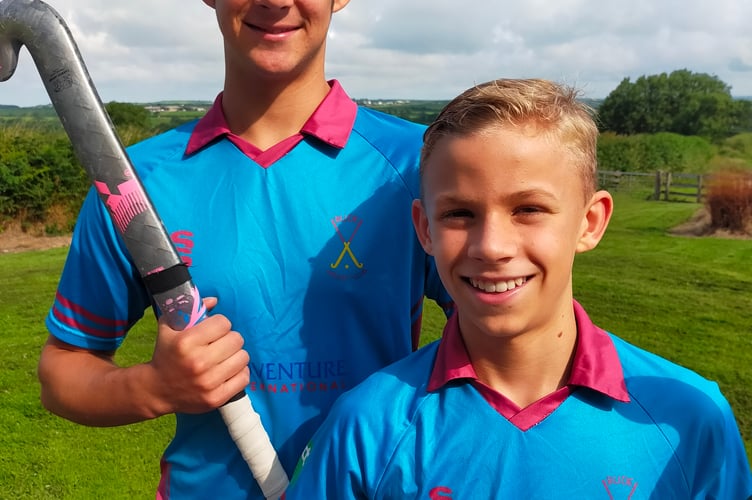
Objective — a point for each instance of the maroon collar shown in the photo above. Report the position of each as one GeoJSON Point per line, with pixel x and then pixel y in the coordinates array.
{"type": "Point", "coordinates": [596, 366]}
{"type": "Point", "coordinates": [331, 123]}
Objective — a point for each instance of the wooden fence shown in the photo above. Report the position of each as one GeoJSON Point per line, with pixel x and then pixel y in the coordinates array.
{"type": "Point", "coordinates": [668, 186]}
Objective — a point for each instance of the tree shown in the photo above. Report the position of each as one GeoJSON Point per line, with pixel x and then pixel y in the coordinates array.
{"type": "Point", "coordinates": [681, 102]}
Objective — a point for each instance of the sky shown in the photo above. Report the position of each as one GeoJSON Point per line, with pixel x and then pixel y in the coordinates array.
{"type": "Point", "coordinates": [155, 50]}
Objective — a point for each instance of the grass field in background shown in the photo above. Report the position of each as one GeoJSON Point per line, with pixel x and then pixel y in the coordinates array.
{"type": "Point", "coordinates": [687, 299]}
{"type": "Point", "coordinates": [43, 456]}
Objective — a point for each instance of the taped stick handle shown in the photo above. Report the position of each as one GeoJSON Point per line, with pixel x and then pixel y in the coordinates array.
{"type": "Point", "coordinates": [50, 43]}
{"type": "Point", "coordinates": [182, 307]}
{"type": "Point", "coordinates": [245, 427]}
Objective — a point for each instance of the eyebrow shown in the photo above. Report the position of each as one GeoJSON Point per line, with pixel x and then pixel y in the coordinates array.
{"type": "Point", "coordinates": [534, 193]}
{"type": "Point", "coordinates": [516, 196]}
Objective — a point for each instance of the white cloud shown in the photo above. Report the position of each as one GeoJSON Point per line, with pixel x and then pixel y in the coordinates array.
{"type": "Point", "coordinates": [143, 50]}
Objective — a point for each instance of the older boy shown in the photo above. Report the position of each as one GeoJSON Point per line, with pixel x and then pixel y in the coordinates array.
{"type": "Point", "coordinates": [523, 397]}
{"type": "Point", "coordinates": [281, 200]}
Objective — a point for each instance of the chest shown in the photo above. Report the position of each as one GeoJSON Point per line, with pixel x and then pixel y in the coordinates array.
{"type": "Point", "coordinates": [579, 451]}
{"type": "Point", "coordinates": [309, 233]}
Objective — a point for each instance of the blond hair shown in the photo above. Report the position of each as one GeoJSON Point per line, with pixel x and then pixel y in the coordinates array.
{"type": "Point", "coordinates": [552, 107]}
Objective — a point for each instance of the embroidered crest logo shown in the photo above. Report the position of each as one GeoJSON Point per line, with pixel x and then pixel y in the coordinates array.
{"type": "Point", "coordinates": [346, 264]}
{"type": "Point", "coordinates": [620, 487]}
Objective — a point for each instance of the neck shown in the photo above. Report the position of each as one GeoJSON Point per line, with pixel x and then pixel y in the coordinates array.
{"type": "Point", "coordinates": [529, 366]}
{"type": "Point", "coordinates": [266, 111]}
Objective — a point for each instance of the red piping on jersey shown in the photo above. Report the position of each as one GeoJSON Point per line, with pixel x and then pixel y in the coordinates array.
{"type": "Point", "coordinates": [110, 328]}
{"type": "Point", "coordinates": [163, 490]}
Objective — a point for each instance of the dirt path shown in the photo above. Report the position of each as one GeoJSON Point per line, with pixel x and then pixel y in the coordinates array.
{"type": "Point", "coordinates": [14, 240]}
{"type": "Point", "coordinates": [699, 225]}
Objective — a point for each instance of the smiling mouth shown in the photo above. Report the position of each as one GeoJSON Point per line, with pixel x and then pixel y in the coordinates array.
{"type": "Point", "coordinates": [271, 30]}
{"type": "Point", "coordinates": [498, 286]}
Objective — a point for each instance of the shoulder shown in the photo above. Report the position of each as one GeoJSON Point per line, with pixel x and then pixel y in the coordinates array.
{"type": "Point", "coordinates": [640, 365]}
{"type": "Point", "coordinates": [390, 141]}
{"type": "Point", "coordinates": [168, 146]}
{"type": "Point", "coordinates": [691, 414]}
{"type": "Point", "coordinates": [386, 402]}
{"type": "Point", "coordinates": [656, 380]}
{"type": "Point", "coordinates": [683, 404]}
{"type": "Point", "coordinates": [400, 385]}
{"type": "Point", "coordinates": [391, 135]}
{"type": "Point", "coordinates": [354, 445]}
{"type": "Point", "coordinates": [372, 121]}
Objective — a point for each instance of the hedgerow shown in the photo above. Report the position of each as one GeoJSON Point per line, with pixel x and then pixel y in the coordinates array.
{"type": "Point", "coordinates": [652, 152]}
{"type": "Point", "coordinates": [38, 173]}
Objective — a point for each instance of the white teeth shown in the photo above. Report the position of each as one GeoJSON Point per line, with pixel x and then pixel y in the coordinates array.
{"type": "Point", "coordinates": [497, 286]}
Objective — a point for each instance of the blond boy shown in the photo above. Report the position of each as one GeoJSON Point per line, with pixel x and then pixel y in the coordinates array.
{"type": "Point", "coordinates": [523, 397]}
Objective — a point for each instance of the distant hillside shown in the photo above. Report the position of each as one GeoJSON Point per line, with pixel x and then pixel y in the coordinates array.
{"type": "Point", "coordinates": [414, 110]}
{"type": "Point", "coordinates": [10, 111]}
{"type": "Point", "coordinates": [48, 107]}
{"type": "Point", "coordinates": [593, 103]}
{"type": "Point", "coordinates": [419, 111]}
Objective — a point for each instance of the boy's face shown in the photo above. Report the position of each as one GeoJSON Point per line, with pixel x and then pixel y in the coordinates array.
{"type": "Point", "coordinates": [504, 215]}
{"type": "Point", "coordinates": [274, 37]}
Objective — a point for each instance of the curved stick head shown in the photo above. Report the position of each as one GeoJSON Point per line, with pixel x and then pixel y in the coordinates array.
{"type": "Point", "coordinates": [8, 57]}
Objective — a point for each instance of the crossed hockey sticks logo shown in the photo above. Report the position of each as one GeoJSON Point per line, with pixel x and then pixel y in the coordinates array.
{"type": "Point", "coordinates": [346, 244]}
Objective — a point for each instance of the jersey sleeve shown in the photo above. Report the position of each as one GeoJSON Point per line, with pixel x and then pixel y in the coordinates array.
{"type": "Point", "coordinates": [349, 454]}
{"type": "Point", "coordinates": [732, 477]}
{"type": "Point", "coordinates": [330, 466]}
{"type": "Point", "coordinates": [100, 294]}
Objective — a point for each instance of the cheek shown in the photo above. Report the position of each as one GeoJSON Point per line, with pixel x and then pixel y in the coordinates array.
{"type": "Point", "coordinates": [448, 246]}
{"type": "Point", "coordinates": [550, 244]}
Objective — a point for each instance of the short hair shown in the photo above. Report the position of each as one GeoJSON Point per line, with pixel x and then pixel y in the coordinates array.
{"type": "Point", "coordinates": [553, 107]}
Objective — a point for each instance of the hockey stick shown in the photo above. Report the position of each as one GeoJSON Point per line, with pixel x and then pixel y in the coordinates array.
{"type": "Point", "coordinates": [45, 34]}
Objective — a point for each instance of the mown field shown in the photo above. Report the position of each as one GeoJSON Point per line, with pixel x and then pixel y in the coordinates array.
{"type": "Point", "coordinates": [688, 299]}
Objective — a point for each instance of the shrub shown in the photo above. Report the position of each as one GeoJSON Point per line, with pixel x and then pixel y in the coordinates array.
{"type": "Point", "coordinates": [729, 199]}
{"type": "Point", "coordinates": [738, 147]}
{"type": "Point", "coordinates": [38, 171]}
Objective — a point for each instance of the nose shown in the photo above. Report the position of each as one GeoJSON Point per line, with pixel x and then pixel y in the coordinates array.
{"type": "Point", "coordinates": [275, 4]}
{"type": "Point", "coordinates": [493, 239]}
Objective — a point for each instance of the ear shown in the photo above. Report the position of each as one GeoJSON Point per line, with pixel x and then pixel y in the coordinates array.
{"type": "Point", "coordinates": [337, 5]}
{"type": "Point", "coordinates": [595, 220]}
{"type": "Point", "coordinates": [211, 3]}
{"type": "Point", "coordinates": [420, 221]}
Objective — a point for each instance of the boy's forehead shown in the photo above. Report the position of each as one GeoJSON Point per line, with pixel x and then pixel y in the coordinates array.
{"type": "Point", "coordinates": [497, 138]}
{"type": "Point", "coordinates": [497, 152]}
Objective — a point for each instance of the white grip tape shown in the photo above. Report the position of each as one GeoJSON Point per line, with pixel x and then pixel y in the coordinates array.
{"type": "Point", "coordinates": [253, 442]}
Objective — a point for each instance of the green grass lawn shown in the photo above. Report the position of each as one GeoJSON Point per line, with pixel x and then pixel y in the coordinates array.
{"type": "Point", "coordinates": [687, 299]}
{"type": "Point", "coordinates": [43, 456]}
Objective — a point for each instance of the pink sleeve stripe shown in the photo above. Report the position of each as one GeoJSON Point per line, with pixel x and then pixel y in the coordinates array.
{"type": "Point", "coordinates": [88, 315]}
{"type": "Point", "coordinates": [77, 318]}
{"type": "Point", "coordinates": [88, 330]}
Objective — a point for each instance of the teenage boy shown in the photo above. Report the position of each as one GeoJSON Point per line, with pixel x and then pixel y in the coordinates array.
{"type": "Point", "coordinates": [523, 396]}
{"type": "Point", "coordinates": [289, 203]}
